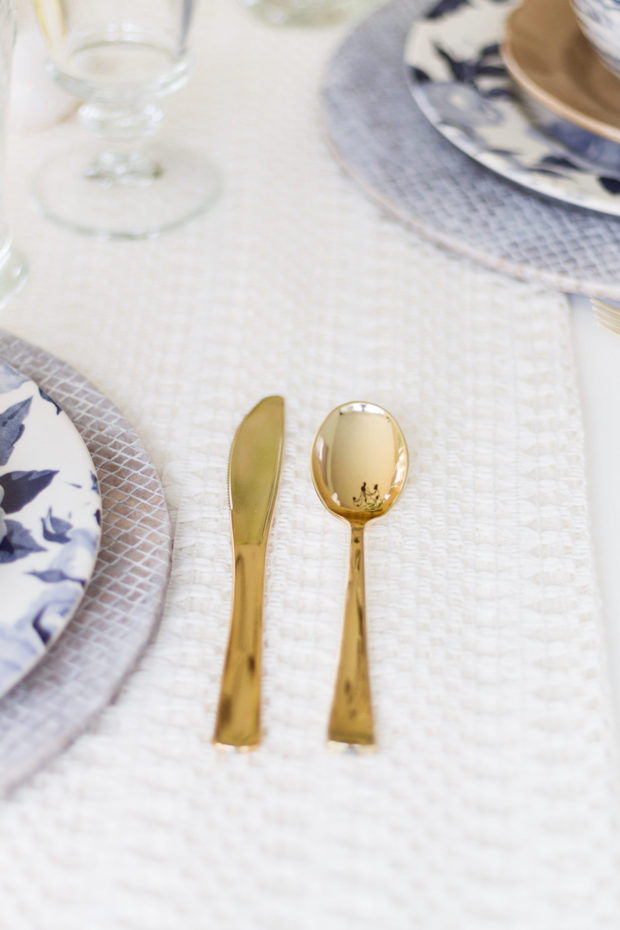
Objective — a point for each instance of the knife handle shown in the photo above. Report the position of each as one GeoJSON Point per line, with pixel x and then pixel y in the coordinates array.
{"type": "Point", "coordinates": [238, 715]}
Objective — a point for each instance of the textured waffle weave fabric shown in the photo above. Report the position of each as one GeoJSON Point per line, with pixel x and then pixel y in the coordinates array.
{"type": "Point", "coordinates": [492, 803]}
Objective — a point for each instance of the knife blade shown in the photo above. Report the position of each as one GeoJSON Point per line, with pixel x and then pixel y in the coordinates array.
{"type": "Point", "coordinates": [253, 477]}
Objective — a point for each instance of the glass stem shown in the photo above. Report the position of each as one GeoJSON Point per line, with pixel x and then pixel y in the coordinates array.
{"type": "Point", "coordinates": [122, 129]}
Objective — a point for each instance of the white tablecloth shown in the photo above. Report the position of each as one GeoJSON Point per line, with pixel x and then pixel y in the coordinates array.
{"type": "Point", "coordinates": [493, 799]}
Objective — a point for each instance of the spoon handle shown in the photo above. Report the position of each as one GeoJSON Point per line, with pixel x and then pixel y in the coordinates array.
{"type": "Point", "coordinates": [351, 715]}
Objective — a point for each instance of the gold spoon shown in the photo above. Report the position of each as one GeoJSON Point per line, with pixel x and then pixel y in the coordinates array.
{"type": "Point", "coordinates": [359, 465]}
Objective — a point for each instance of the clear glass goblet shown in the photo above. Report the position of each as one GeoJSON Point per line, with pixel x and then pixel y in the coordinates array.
{"type": "Point", "coordinates": [13, 268]}
{"type": "Point", "coordinates": [121, 57]}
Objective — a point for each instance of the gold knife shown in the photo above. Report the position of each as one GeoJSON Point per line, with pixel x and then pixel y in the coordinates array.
{"type": "Point", "coordinates": [253, 476]}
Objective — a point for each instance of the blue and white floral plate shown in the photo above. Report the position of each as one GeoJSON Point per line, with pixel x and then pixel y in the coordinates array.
{"type": "Point", "coordinates": [460, 83]}
{"type": "Point", "coordinates": [50, 523]}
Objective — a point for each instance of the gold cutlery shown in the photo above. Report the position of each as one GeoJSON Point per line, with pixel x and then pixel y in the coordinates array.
{"type": "Point", "coordinates": [253, 476]}
{"type": "Point", "coordinates": [607, 315]}
{"type": "Point", "coordinates": [359, 465]}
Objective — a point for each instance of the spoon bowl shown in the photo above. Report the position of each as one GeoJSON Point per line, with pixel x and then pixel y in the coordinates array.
{"type": "Point", "coordinates": [359, 465]}
{"type": "Point", "coordinates": [359, 461]}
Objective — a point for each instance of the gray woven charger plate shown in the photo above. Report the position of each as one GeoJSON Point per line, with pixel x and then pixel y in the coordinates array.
{"type": "Point", "coordinates": [384, 141]}
{"type": "Point", "coordinates": [124, 599]}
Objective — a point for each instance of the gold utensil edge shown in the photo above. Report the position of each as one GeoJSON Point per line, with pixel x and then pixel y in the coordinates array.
{"type": "Point", "coordinates": [351, 721]}
{"type": "Point", "coordinates": [238, 720]}
{"type": "Point", "coordinates": [606, 315]}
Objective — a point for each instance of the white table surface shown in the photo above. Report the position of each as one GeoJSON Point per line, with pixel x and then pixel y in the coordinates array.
{"type": "Point", "coordinates": [598, 359]}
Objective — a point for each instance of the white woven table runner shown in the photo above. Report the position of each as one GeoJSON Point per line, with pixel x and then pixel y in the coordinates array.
{"type": "Point", "coordinates": [493, 799]}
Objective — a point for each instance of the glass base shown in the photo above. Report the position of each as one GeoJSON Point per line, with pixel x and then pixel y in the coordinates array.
{"type": "Point", "coordinates": [13, 274]}
{"type": "Point", "coordinates": [308, 12]}
{"type": "Point", "coordinates": [125, 197]}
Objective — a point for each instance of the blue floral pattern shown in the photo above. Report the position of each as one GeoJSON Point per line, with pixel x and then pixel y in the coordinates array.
{"type": "Point", "coordinates": [600, 21]}
{"type": "Point", "coordinates": [50, 515]}
{"type": "Point", "coordinates": [462, 86]}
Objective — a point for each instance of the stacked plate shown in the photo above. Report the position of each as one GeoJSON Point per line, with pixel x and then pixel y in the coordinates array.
{"type": "Point", "coordinates": [50, 523]}
{"type": "Point", "coordinates": [521, 90]}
